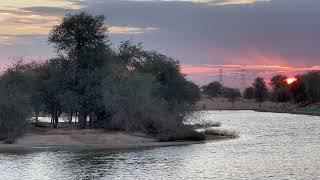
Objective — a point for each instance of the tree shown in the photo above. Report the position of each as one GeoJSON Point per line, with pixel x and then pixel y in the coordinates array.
{"type": "Point", "coordinates": [15, 106]}
{"type": "Point", "coordinates": [78, 32]}
{"type": "Point", "coordinates": [213, 89]}
{"type": "Point", "coordinates": [260, 90]}
{"type": "Point", "coordinates": [248, 93]}
{"type": "Point", "coordinates": [174, 87]}
{"type": "Point", "coordinates": [232, 94]}
{"type": "Point", "coordinates": [306, 89]}
{"type": "Point", "coordinates": [130, 53]}
{"type": "Point", "coordinates": [298, 90]}
{"type": "Point", "coordinates": [283, 95]}
{"type": "Point", "coordinates": [51, 86]}
{"type": "Point", "coordinates": [280, 89]}
{"type": "Point", "coordinates": [278, 81]}
{"type": "Point", "coordinates": [82, 37]}
{"type": "Point", "coordinates": [311, 83]}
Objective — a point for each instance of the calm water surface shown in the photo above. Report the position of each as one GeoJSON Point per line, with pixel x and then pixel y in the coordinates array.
{"type": "Point", "coordinates": [271, 146]}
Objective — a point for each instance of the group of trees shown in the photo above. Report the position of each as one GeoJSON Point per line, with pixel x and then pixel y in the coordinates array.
{"type": "Point", "coordinates": [126, 88]}
{"type": "Point", "coordinates": [304, 90]}
{"type": "Point", "coordinates": [216, 89]}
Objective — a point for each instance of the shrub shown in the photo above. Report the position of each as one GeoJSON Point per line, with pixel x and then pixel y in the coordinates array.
{"type": "Point", "coordinates": [204, 125]}
{"type": "Point", "coordinates": [131, 98]}
{"type": "Point", "coordinates": [14, 106]}
{"type": "Point", "coordinates": [221, 132]}
{"type": "Point", "coordinates": [182, 135]}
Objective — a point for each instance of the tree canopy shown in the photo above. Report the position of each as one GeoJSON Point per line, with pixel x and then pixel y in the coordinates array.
{"type": "Point", "coordinates": [260, 89]}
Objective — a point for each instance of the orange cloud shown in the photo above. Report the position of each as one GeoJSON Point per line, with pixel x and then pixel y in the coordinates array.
{"type": "Point", "coordinates": [189, 69]}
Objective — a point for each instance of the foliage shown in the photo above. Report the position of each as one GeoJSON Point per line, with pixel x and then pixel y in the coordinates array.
{"type": "Point", "coordinates": [82, 37]}
{"type": "Point", "coordinates": [213, 89]}
{"type": "Point", "coordinates": [283, 95]}
{"type": "Point", "coordinates": [167, 73]}
{"type": "Point", "coordinates": [298, 90]}
{"type": "Point", "coordinates": [51, 86]}
{"type": "Point", "coordinates": [183, 134]}
{"type": "Point", "coordinates": [307, 88]}
{"type": "Point", "coordinates": [130, 98]}
{"type": "Point", "coordinates": [248, 93]}
{"type": "Point", "coordinates": [220, 132]}
{"type": "Point", "coordinates": [232, 94]}
{"type": "Point", "coordinates": [278, 81]}
{"type": "Point", "coordinates": [15, 105]}
{"type": "Point", "coordinates": [78, 32]}
{"type": "Point", "coordinates": [260, 90]}
{"type": "Point", "coordinates": [311, 82]}
{"type": "Point", "coordinates": [280, 89]}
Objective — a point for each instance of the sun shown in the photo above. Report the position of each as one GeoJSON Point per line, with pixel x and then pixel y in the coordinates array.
{"type": "Point", "coordinates": [291, 80]}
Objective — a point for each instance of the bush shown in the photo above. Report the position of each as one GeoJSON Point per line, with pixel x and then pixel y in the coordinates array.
{"type": "Point", "coordinates": [14, 106]}
{"type": "Point", "coordinates": [221, 132]}
{"type": "Point", "coordinates": [182, 135]}
{"type": "Point", "coordinates": [134, 106]}
{"type": "Point", "coordinates": [204, 125]}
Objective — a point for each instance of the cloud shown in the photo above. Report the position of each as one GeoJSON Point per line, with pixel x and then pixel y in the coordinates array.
{"type": "Point", "coordinates": [250, 33]}
{"type": "Point", "coordinates": [208, 2]}
{"type": "Point", "coordinates": [131, 30]}
{"type": "Point", "coordinates": [233, 74]}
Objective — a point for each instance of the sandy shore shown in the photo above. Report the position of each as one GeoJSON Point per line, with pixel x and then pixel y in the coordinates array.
{"type": "Point", "coordinates": [62, 139]}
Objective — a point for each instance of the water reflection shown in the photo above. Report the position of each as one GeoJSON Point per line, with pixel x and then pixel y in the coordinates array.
{"type": "Point", "coordinates": [271, 146]}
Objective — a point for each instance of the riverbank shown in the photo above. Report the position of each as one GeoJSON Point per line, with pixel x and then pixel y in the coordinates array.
{"type": "Point", "coordinates": [301, 111]}
{"type": "Point", "coordinates": [268, 106]}
{"type": "Point", "coordinates": [87, 139]}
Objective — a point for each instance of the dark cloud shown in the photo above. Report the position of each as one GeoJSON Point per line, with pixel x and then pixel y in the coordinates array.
{"type": "Point", "coordinates": [284, 31]}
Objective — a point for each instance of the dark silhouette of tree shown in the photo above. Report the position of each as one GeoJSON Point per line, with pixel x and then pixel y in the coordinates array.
{"type": "Point", "coordinates": [282, 95]}
{"type": "Point", "coordinates": [280, 89]}
{"type": "Point", "coordinates": [306, 89]}
{"type": "Point", "coordinates": [278, 81]}
{"type": "Point", "coordinates": [232, 94]}
{"type": "Point", "coordinates": [213, 89]}
{"type": "Point", "coordinates": [248, 93]}
{"type": "Point", "coordinates": [78, 32]}
{"type": "Point", "coordinates": [311, 82]}
{"type": "Point", "coordinates": [82, 37]}
{"type": "Point", "coordinates": [260, 90]}
{"type": "Point", "coordinates": [51, 87]}
{"type": "Point", "coordinates": [298, 90]}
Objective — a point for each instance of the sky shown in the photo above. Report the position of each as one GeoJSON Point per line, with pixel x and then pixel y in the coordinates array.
{"type": "Point", "coordinates": [244, 38]}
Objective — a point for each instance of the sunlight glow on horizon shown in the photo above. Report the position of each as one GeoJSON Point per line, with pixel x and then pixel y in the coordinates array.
{"type": "Point", "coordinates": [291, 80]}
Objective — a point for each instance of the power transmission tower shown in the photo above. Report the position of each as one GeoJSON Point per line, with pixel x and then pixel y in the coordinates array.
{"type": "Point", "coordinates": [221, 76]}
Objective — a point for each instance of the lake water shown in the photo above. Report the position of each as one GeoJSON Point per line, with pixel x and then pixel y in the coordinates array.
{"type": "Point", "coordinates": [271, 146]}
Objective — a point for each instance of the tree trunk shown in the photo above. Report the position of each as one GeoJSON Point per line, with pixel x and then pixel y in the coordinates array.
{"type": "Point", "coordinates": [82, 120]}
{"type": "Point", "coordinates": [71, 115]}
{"type": "Point", "coordinates": [56, 120]}
{"type": "Point", "coordinates": [52, 117]}
{"type": "Point", "coordinates": [260, 104]}
{"type": "Point", "coordinates": [90, 120]}
{"type": "Point", "coordinates": [76, 117]}
{"type": "Point", "coordinates": [37, 117]}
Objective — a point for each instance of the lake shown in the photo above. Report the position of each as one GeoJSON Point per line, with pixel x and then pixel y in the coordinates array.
{"type": "Point", "coordinates": [271, 146]}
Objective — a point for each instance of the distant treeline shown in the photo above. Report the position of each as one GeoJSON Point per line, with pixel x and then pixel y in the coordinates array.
{"type": "Point", "coordinates": [123, 88]}
{"type": "Point", "coordinates": [304, 90]}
